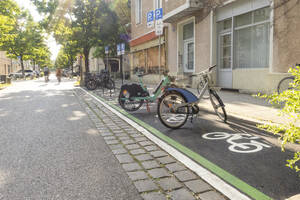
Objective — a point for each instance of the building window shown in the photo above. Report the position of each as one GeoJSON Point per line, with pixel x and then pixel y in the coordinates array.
{"type": "Point", "coordinates": [138, 11]}
{"type": "Point", "coordinates": [188, 47]}
{"type": "Point", "coordinates": [252, 39]}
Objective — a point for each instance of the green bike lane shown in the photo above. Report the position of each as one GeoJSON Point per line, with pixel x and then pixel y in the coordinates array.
{"type": "Point", "coordinates": [256, 169]}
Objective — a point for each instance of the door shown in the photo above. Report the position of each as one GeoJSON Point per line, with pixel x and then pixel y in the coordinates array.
{"type": "Point", "coordinates": [225, 60]}
{"type": "Point", "coordinates": [188, 57]}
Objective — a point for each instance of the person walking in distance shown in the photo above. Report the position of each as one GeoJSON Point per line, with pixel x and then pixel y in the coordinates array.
{"type": "Point", "coordinates": [46, 74]}
{"type": "Point", "coordinates": [58, 74]}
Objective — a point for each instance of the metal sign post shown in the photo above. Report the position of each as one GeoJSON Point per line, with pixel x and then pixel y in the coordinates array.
{"type": "Point", "coordinates": [106, 52]}
{"type": "Point", "coordinates": [159, 26]}
{"type": "Point", "coordinates": [121, 52]}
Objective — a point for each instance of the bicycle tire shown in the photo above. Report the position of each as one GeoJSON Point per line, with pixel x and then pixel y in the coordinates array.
{"type": "Point", "coordinates": [214, 97]}
{"type": "Point", "coordinates": [160, 113]}
{"type": "Point", "coordinates": [200, 87]}
{"type": "Point", "coordinates": [123, 103]}
{"type": "Point", "coordinates": [91, 84]}
{"type": "Point", "coordinates": [284, 84]}
{"type": "Point", "coordinates": [110, 84]}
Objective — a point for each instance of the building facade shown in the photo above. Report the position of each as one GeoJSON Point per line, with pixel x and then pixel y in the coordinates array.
{"type": "Point", "coordinates": [5, 64]}
{"type": "Point", "coordinates": [144, 45]}
{"type": "Point", "coordinates": [252, 42]}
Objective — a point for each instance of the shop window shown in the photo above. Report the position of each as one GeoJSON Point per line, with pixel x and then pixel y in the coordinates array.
{"type": "Point", "coordinates": [252, 40]}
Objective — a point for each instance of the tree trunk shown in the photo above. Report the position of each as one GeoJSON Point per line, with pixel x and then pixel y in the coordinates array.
{"type": "Point", "coordinates": [86, 52]}
{"type": "Point", "coordinates": [72, 62]}
{"type": "Point", "coordinates": [22, 66]}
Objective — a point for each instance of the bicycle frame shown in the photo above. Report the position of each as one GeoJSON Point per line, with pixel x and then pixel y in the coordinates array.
{"type": "Point", "coordinates": [206, 76]}
{"type": "Point", "coordinates": [206, 87]}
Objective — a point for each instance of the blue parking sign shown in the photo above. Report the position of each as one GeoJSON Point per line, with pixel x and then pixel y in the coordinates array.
{"type": "Point", "coordinates": [106, 49]}
{"type": "Point", "coordinates": [122, 48]}
{"type": "Point", "coordinates": [119, 49]}
{"type": "Point", "coordinates": [158, 13]}
{"type": "Point", "coordinates": [150, 16]}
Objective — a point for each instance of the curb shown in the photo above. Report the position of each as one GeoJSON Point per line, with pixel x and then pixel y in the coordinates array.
{"type": "Point", "coordinates": [223, 181]}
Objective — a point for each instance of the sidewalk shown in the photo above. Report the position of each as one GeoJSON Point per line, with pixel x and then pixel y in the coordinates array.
{"type": "Point", "coordinates": [241, 106]}
{"type": "Point", "coordinates": [155, 168]}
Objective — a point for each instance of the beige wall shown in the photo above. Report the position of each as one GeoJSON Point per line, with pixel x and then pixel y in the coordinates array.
{"type": "Point", "coordinates": [138, 30]}
{"type": "Point", "coordinates": [5, 63]}
{"type": "Point", "coordinates": [256, 80]}
{"type": "Point", "coordinates": [286, 42]}
{"type": "Point", "coordinates": [172, 5]}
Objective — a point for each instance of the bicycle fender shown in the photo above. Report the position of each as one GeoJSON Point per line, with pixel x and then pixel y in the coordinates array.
{"type": "Point", "coordinates": [190, 97]}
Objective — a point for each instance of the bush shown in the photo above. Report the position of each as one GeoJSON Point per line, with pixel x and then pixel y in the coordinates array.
{"type": "Point", "coordinates": [290, 106]}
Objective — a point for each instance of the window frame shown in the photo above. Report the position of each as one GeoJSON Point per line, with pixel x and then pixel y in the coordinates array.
{"type": "Point", "coordinates": [233, 30]}
{"type": "Point", "coordinates": [138, 12]}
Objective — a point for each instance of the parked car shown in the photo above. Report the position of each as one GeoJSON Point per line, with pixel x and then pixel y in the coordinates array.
{"type": "Point", "coordinates": [16, 75]}
{"type": "Point", "coordinates": [29, 73]}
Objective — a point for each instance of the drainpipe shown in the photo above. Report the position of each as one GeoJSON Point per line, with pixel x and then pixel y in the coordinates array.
{"type": "Point", "coordinates": [271, 67]}
{"type": "Point", "coordinates": [211, 36]}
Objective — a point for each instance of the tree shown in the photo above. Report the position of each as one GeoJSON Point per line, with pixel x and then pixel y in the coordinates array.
{"type": "Point", "coordinates": [92, 23]}
{"type": "Point", "coordinates": [8, 16]}
{"type": "Point", "coordinates": [27, 36]}
{"type": "Point", "coordinates": [41, 55]}
{"type": "Point", "coordinates": [48, 9]}
{"type": "Point", "coordinates": [122, 10]}
{"type": "Point", "coordinates": [289, 132]}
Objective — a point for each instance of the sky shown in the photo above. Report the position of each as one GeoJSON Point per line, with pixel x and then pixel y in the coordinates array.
{"type": "Point", "coordinates": [54, 47]}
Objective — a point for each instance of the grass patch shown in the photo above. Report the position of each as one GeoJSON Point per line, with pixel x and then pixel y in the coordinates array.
{"type": "Point", "coordinates": [4, 85]}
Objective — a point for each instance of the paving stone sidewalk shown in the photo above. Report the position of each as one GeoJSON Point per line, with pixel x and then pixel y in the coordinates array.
{"type": "Point", "coordinates": [155, 173]}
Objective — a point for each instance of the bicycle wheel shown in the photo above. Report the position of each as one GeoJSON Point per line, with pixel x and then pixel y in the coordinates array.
{"type": "Point", "coordinates": [218, 105]}
{"type": "Point", "coordinates": [169, 117]}
{"type": "Point", "coordinates": [127, 104]}
{"type": "Point", "coordinates": [200, 87]}
{"type": "Point", "coordinates": [285, 84]}
{"type": "Point", "coordinates": [110, 84]}
{"type": "Point", "coordinates": [91, 84]}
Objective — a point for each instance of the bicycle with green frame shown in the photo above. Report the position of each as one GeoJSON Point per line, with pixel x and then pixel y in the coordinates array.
{"type": "Point", "coordinates": [133, 96]}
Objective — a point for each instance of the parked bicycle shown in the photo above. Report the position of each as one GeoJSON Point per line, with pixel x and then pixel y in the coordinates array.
{"type": "Point", "coordinates": [133, 96]}
{"type": "Point", "coordinates": [177, 104]}
{"type": "Point", "coordinates": [102, 80]}
{"type": "Point", "coordinates": [286, 83]}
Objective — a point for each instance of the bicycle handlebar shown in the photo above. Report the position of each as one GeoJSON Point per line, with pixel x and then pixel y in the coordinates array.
{"type": "Point", "coordinates": [204, 71]}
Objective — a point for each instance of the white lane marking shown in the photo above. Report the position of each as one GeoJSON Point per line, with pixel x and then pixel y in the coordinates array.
{"type": "Point", "coordinates": [212, 179]}
{"type": "Point", "coordinates": [242, 147]}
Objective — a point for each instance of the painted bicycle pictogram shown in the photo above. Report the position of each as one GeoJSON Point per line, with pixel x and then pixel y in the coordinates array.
{"type": "Point", "coordinates": [239, 147]}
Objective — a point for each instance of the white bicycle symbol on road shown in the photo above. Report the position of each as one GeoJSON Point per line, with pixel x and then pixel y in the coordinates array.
{"type": "Point", "coordinates": [243, 147]}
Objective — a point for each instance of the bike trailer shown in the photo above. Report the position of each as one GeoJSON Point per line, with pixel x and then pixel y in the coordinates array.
{"type": "Point", "coordinates": [189, 96]}
{"type": "Point", "coordinates": [134, 90]}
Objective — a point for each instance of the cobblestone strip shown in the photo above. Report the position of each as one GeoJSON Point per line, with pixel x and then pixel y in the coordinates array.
{"type": "Point", "coordinates": [155, 173]}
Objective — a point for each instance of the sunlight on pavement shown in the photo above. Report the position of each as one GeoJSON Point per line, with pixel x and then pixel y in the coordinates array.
{"type": "Point", "coordinates": [77, 115]}
{"type": "Point", "coordinates": [92, 132]}
{"type": "Point", "coordinates": [3, 179]}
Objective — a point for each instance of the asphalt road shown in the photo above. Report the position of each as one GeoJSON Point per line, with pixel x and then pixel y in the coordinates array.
{"type": "Point", "coordinates": [261, 166]}
{"type": "Point", "coordinates": [49, 148]}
